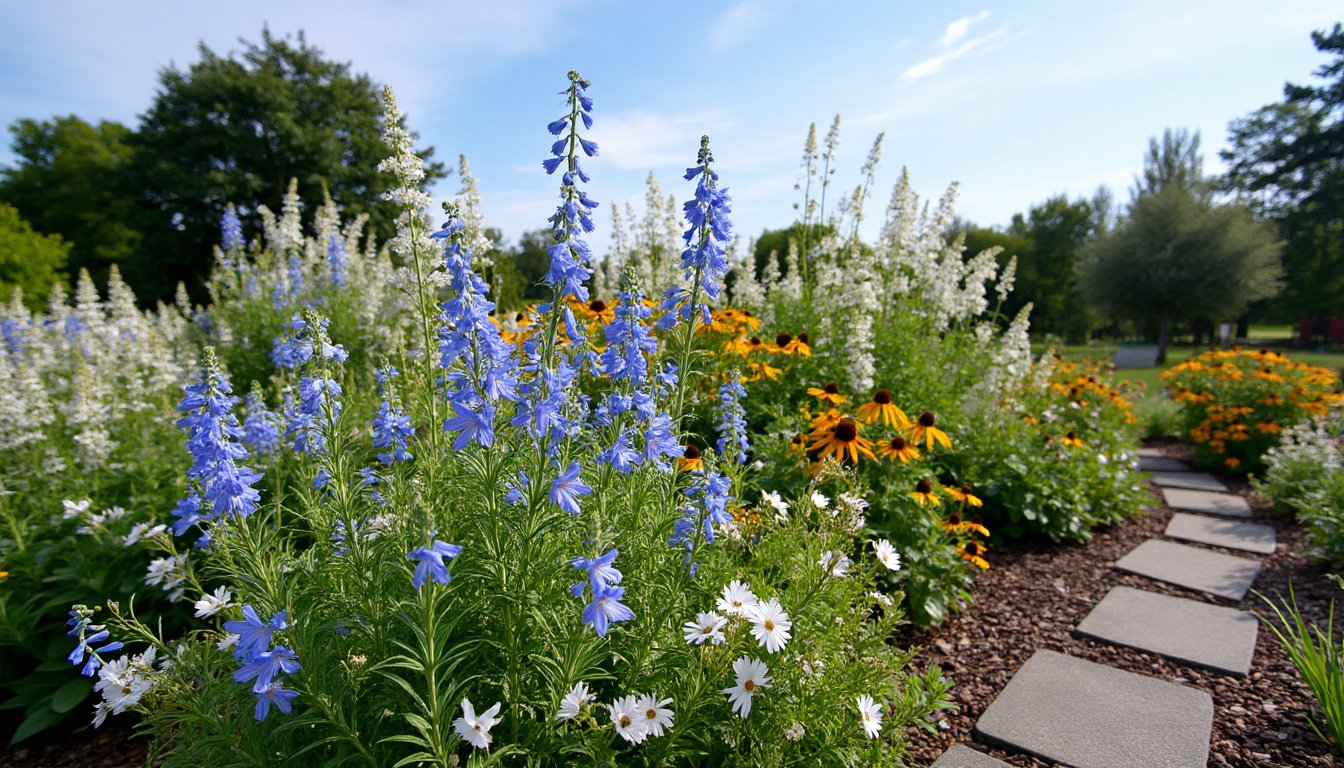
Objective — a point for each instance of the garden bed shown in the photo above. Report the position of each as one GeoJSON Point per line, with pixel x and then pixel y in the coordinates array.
{"type": "Point", "coordinates": [1036, 593]}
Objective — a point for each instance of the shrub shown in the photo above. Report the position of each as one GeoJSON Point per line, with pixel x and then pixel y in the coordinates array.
{"type": "Point", "coordinates": [1305, 474]}
{"type": "Point", "coordinates": [1236, 403]}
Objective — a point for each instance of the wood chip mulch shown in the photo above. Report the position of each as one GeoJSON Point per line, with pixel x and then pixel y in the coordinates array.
{"type": "Point", "coordinates": [1035, 593]}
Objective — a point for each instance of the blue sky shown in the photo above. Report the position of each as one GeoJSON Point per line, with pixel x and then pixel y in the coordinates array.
{"type": "Point", "coordinates": [1016, 101]}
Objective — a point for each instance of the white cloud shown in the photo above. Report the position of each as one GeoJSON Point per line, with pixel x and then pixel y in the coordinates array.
{"type": "Point", "coordinates": [954, 44]}
{"type": "Point", "coordinates": [642, 141]}
{"type": "Point", "coordinates": [739, 23]}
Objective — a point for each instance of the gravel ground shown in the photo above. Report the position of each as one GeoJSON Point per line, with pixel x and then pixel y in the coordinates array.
{"type": "Point", "coordinates": [1035, 594]}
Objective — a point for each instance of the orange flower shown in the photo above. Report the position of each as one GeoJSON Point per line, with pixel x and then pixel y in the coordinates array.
{"type": "Point", "coordinates": [898, 449]}
{"type": "Point", "coordinates": [1231, 462]}
{"type": "Point", "coordinates": [842, 440]}
{"type": "Point", "coordinates": [924, 494]}
{"type": "Point", "coordinates": [972, 551]}
{"type": "Point", "coordinates": [964, 495]}
{"type": "Point", "coordinates": [924, 430]}
{"type": "Point", "coordinates": [690, 460]}
{"type": "Point", "coordinates": [955, 524]}
{"type": "Point", "coordinates": [1071, 439]}
{"type": "Point", "coordinates": [881, 407]}
{"type": "Point", "coordinates": [828, 394]}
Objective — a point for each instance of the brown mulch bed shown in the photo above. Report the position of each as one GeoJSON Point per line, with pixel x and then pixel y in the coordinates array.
{"type": "Point", "coordinates": [108, 747]}
{"type": "Point", "coordinates": [1036, 593]}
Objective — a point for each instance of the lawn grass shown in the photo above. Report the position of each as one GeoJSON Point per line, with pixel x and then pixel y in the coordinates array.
{"type": "Point", "coordinates": [1150, 378]}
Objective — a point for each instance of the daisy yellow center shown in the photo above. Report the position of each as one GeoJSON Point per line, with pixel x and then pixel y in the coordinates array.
{"type": "Point", "coordinates": [625, 721]}
{"type": "Point", "coordinates": [749, 686]}
{"type": "Point", "coordinates": [650, 714]}
{"type": "Point", "coordinates": [769, 625]}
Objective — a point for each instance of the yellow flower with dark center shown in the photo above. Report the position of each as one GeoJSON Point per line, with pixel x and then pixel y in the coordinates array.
{"type": "Point", "coordinates": [798, 444]}
{"type": "Point", "coordinates": [690, 460]}
{"type": "Point", "coordinates": [1268, 428]}
{"type": "Point", "coordinates": [788, 344]}
{"type": "Point", "coordinates": [764, 371]}
{"type": "Point", "coordinates": [841, 441]}
{"type": "Point", "coordinates": [824, 422]}
{"type": "Point", "coordinates": [1232, 462]}
{"type": "Point", "coordinates": [828, 394]}
{"type": "Point", "coordinates": [955, 524]}
{"type": "Point", "coordinates": [1071, 439]}
{"type": "Point", "coordinates": [973, 551]}
{"type": "Point", "coordinates": [881, 407]}
{"type": "Point", "coordinates": [924, 430]}
{"type": "Point", "coordinates": [964, 495]}
{"type": "Point", "coordinates": [897, 449]}
{"type": "Point", "coordinates": [924, 494]}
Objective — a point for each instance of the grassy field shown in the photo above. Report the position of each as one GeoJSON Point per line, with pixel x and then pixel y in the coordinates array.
{"type": "Point", "coordinates": [1150, 377]}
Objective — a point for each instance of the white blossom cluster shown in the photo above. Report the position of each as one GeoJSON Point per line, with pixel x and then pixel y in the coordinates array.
{"type": "Point", "coordinates": [651, 248]}
{"type": "Point", "coordinates": [122, 683]}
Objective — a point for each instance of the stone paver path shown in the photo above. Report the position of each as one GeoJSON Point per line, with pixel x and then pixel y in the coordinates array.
{"type": "Point", "coordinates": [1247, 537]}
{"type": "Point", "coordinates": [962, 756]}
{"type": "Point", "coordinates": [1195, 481]}
{"type": "Point", "coordinates": [1075, 712]}
{"type": "Point", "coordinates": [1067, 710]}
{"type": "Point", "coordinates": [1162, 464]}
{"type": "Point", "coordinates": [1224, 576]}
{"type": "Point", "coordinates": [1208, 636]}
{"type": "Point", "coordinates": [1225, 504]}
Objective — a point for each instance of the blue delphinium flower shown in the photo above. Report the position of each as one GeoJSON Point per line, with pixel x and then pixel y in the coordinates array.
{"type": "Point", "coordinates": [629, 341]}
{"type": "Point", "coordinates": [606, 609]}
{"type": "Point", "coordinates": [661, 442]}
{"type": "Point", "coordinates": [391, 429]}
{"type": "Point", "coordinates": [471, 425]}
{"type": "Point", "coordinates": [316, 395]}
{"type": "Point", "coordinates": [622, 455]}
{"type": "Point", "coordinates": [601, 572]}
{"type": "Point", "coordinates": [261, 428]}
{"type": "Point", "coordinates": [338, 266]}
{"type": "Point", "coordinates": [254, 635]}
{"type": "Point", "coordinates": [264, 666]}
{"type": "Point", "coordinates": [276, 694]}
{"type": "Point", "coordinates": [430, 562]}
{"type": "Point", "coordinates": [231, 230]}
{"type": "Point", "coordinates": [87, 634]}
{"type": "Point", "coordinates": [291, 349]}
{"type": "Point", "coordinates": [732, 420]}
{"type": "Point", "coordinates": [705, 260]}
{"type": "Point", "coordinates": [708, 508]}
{"type": "Point", "coordinates": [567, 489]}
{"type": "Point", "coordinates": [570, 256]}
{"type": "Point", "coordinates": [259, 661]}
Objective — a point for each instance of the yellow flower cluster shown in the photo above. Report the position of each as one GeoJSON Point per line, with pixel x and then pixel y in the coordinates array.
{"type": "Point", "coordinates": [839, 434]}
{"type": "Point", "coordinates": [1236, 402]}
{"type": "Point", "coordinates": [1088, 384]}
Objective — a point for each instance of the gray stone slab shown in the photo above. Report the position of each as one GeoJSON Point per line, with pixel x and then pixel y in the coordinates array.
{"type": "Point", "coordinates": [1214, 573]}
{"type": "Point", "coordinates": [1225, 504]}
{"type": "Point", "coordinates": [1195, 481]}
{"type": "Point", "coordinates": [1162, 464]}
{"type": "Point", "coordinates": [1136, 356]}
{"type": "Point", "coordinates": [1208, 636]}
{"type": "Point", "coordinates": [962, 756]}
{"type": "Point", "coordinates": [1247, 537]}
{"type": "Point", "coordinates": [1082, 714]}
{"type": "Point", "coordinates": [1150, 453]}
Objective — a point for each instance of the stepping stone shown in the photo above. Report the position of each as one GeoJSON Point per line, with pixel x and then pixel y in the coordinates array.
{"type": "Point", "coordinates": [1217, 574]}
{"type": "Point", "coordinates": [1161, 464]}
{"type": "Point", "coordinates": [1209, 636]}
{"type": "Point", "coordinates": [1225, 504]}
{"type": "Point", "coordinates": [1150, 453]}
{"type": "Point", "coordinates": [1195, 481]}
{"type": "Point", "coordinates": [962, 756]}
{"type": "Point", "coordinates": [1071, 711]}
{"type": "Point", "coordinates": [1247, 537]}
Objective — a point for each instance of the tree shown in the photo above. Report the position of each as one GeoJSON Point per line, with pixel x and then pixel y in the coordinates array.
{"type": "Point", "coordinates": [1176, 160]}
{"type": "Point", "coordinates": [70, 180]}
{"type": "Point", "coordinates": [237, 129]}
{"type": "Point", "coordinates": [1287, 161]}
{"type": "Point", "coordinates": [29, 261]}
{"type": "Point", "coordinates": [1177, 257]}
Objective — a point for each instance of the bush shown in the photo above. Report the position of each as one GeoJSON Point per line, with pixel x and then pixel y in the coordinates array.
{"type": "Point", "coordinates": [1236, 403]}
{"type": "Point", "coordinates": [1305, 475]}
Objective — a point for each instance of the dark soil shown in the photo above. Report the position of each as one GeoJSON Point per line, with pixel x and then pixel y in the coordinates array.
{"type": "Point", "coordinates": [108, 747]}
{"type": "Point", "coordinates": [1036, 593]}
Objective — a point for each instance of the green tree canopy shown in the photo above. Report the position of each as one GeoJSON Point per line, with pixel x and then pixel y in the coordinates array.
{"type": "Point", "coordinates": [236, 129]}
{"type": "Point", "coordinates": [1287, 161]}
{"type": "Point", "coordinates": [1176, 160]}
{"type": "Point", "coordinates": [29, 261]}
{"type": "Point", "coordinates": [1177, 257]}
{"type": "Point", "coordinates": [70, 180]}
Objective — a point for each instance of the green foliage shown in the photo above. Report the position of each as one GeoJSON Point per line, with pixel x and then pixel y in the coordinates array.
{"type": "Point", "coordinates": [1158, 416]}
{"type": "Point", "coordinates": [70, 179]}
{"type": "Point", "coordinates": [1304, 475]}
{"type": "Point", "coordinates": [30, 262]}
{"type": "Point", "coordinates": [1175, 162]}
{"type": "Point", "coordinates": [1283, 160]}
{"type": "Point", "coordinates": [1317, 654]}
{"type": "Point", "coordinates": [1174, 257]}
{"type": "Point", "coordinates": [235, 129]}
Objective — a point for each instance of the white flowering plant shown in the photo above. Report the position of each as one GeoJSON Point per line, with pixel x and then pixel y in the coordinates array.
{"type": "Point", "coordinates": [496, 544]}
{"type": "Point", "coordinates": [1304, 474]}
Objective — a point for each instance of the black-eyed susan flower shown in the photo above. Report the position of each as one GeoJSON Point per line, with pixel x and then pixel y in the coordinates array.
{"type": "Point", "coordinates": [925, 430]}
{"type": "Point", "coordinates": [881, 407]}
{"type": "Point", "coordinates": [763, 371]}
{"type": "Point", "coordinates": [788, 344]}
{"type": "Point", "coordinates": [964, 495]}
{"type": "Point", "coordinates": [898, 449]}
{"type": "Point", "coordinates": [1231, 462]}
{"type": "Point", "coordinates": [798, 444]}
{"type": "Point", "coordinates": [1071, 439]}
{"type": "Point", "coordinates": [842, 440]}
{"type": "Point", "coordinates": [828, 394]}
{"type": "Point", "coordinates": [955, 524]}
{"type": "Point", "coordinates": [974, 551]}
{"type": "Point", "coordinates": [690, 460]}
{"type": "Point", "coordinates": [925, 495]}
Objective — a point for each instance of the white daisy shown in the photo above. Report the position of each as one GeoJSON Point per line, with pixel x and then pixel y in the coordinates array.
{"type": "Point", "coordinates": [819, 500]}
{"type": "Point", "coordinates": [227, 641]}
{"type": "Point", "coordinates": [777, 502]}
{"type": "Point", "coordinates": [770, 625]}
{"type": "Point", "coordinates": [706, 627]}
{"type": "Point", "coordinates": [752, 676]}
{"type": "Point", "coordinates": [737, 598]}
{"type": "Point", "coordinates": [836, 564]}
{"type": "Point", "coordinates": [209, 605]}
{"type": "Point", "coordinates": [627, 718]}
{"type": "Point", "coordinates": [887, 555]}
{"type": "Point", "coordinates": [795, 732]}
{"type": "Point", "coordinates": [143, 531]}
{"type": "Point", "coordinates": [475, 729]}
{"type": "Point", "coordinates": [870, 713]}
{"type": "Point", "coordinates": [578, 697]}
{"type": "Point", "coordinates": [73, 509]}
{"type": "Point", "coordinates": [656, 715]}
{"type": "Point", "coordinates": [882, 599]}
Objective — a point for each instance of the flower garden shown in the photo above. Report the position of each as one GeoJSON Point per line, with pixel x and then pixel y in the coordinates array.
{"type": "Point", "coordinates": [354, 512]}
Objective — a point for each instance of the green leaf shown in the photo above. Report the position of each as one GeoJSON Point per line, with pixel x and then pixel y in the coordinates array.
{"type": "Point", "coordinates": [70, 695]}
{"type": "Point", "coordinates": [37, 721]}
